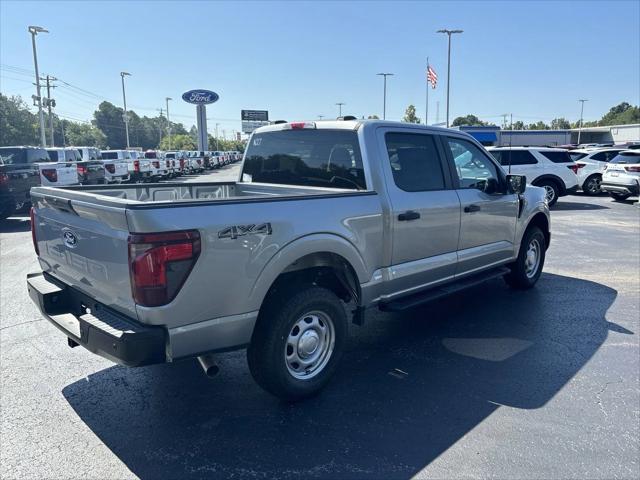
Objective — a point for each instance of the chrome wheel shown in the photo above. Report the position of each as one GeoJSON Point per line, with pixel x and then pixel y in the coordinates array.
{"type": "Point", "coordinates": [532, 259]}
{"type": "Point", "coordinates": [550, 193]}
{"type": "Point", "coordinates": [309, 345]}
{"type": "Point", "coordinates": [592, 185]}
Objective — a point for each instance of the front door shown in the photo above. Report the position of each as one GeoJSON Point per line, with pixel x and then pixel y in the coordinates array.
{"type": "Point", "coordinates": [424, 210]}
{"type": "Point", "coordinates": [488, 213]}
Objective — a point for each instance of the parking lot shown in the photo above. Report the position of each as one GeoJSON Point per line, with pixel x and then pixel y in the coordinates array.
{"type": "Point", "coordinates": [489, 383]}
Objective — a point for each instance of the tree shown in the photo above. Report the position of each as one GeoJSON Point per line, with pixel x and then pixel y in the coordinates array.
{"type": "Point", "coordinates": [410, 115]}
{"type": "Point", "coordinates": [108, 118]}
{"type": "Point", "coordinates": [374, 117]}
{"type": "Point", "coordinates": [226, 145]}
{"type": "Point", "coordinates": [468, 120]}
{"type": "Point", "coordinates": [540, 125]}
{"type": "Point", "coordinates": [518, 125]}
{"type": "Point", "coordinates": [18, 126]}
{"type": "Point", "coordinates": [178, 142]}
{"type": "Point", "coordinates": [621, 114]}
{"type": "Point", "coordinates": [83, 134]}
{"type": "Point", "coordinates": [560, 124]}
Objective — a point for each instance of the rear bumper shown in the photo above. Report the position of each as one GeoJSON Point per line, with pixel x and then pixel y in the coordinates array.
{"type": "Point", "coordinates": [630, 188]}
{"type": "Point", "coordinates": [103, 331]}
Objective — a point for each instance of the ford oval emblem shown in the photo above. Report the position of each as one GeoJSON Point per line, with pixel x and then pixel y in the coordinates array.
{"type": "Point", "coordinates": [200, 97]}
{"type": "Point", "coordinates": [70, 239]}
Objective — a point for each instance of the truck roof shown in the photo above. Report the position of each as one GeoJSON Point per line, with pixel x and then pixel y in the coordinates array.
{"type": "Point", "coordinates": [352, 125]}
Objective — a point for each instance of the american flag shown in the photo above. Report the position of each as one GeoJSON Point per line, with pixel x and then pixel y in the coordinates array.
{"type": "Point", "coordinates": [432, 76]}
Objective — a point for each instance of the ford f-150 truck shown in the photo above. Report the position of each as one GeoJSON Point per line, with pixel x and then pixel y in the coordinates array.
{"type": "Point", "coordinates": [325, 216]}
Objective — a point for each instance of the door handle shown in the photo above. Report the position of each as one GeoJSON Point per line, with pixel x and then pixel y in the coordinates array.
{"type": "Point", "coordinates": [408, 215]}
{"type": "Point", "coordinates": [471, 208]}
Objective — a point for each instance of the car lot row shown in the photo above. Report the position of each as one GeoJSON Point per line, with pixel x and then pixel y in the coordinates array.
{"type": "Point", "coordinates": [23, 167]}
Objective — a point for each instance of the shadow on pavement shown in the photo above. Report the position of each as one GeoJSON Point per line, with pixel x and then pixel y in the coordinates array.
{"type": "Point", "coordinates": [457, 361]}
{"type": "Point", "coordinates": [563, 205]}
{"type": "Point", "coordinates": [15, 224]}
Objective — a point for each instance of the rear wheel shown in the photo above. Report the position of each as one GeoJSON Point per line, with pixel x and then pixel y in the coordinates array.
{"type": "Point", "coordinates": [591, 185]}
{"type": "Point", "coordinates": [298, 342]}
{"type": "Point", "coordinates": [619, 197]}
{"type": "Point", "coordinates": [551, 191]}
{"type": "Point", "coordinates": [527, 268]}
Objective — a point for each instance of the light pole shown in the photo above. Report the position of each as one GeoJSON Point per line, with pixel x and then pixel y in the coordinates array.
{"type": "Point", "coordinates": [449, 33]}
{"type": "Point", "coordinates": [34, 30]}
{"type": "Point", "coordinates": [582, 100]}
{"type": "Point", "coordinates": [340, 104]}
{"type": "Point", "coordinates": [168, 122]}
{"type": "Point", "coordinates": [125, 117]}
{"type": "Point", "coordinates": [384, 95]}
{"type": "Point", "coordinates": [217, 147]}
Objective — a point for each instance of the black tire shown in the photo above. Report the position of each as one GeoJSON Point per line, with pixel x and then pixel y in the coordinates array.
{"type": "Point", "coordinates": [521, 276]}
{"type": "Point", "coordinates": [591, 185]}
{"type": "Point", "coordinates": [270, 344]}
{"type": "Point", "coordinates": [619, 197]}
{"type": "Point", "coordinates": [552, 191]}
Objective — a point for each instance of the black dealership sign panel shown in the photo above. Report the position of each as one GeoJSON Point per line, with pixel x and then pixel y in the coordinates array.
{"type": "Point", "coordinates": [255, 115]}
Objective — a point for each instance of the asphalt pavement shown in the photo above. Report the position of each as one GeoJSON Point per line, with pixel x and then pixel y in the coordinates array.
{"type": "Point", "coordinates": [489, 383]}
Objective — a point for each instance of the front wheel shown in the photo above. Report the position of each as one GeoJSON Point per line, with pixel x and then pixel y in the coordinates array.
{"type": "Point", "coordinates": [527, 268]}
{"type": "Point", "coordinates": [551, 191]}
{"type": "Point", "coordinates": [619, 197]}
{"type": "Point", "coordinates": [297, 343]}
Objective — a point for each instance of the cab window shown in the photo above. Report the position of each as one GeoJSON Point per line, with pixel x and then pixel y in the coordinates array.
{"type": "Point", "coordinates": [473, 167]}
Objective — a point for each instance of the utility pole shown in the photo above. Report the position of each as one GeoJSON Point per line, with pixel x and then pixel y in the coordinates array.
{"type": "Point", "coordinates": [384, 94]}
{"type": "Point", "coordinates": [125, 117]}
{"type": "Point", "coordinates": [340, 104]}
{"type": "Point", "coordinates": [582, 100]}
{"type": "Point", "coordinates": [160, 126]}
{"type": "Point", "coordinates": [448, 33]}
{"type": "Point", "coordinates": [34, 30]}
{"type": "Point", "coordinates": [168, 122]}
{"type": "Point", "coordinates": [504, 120]}
{"type": "Point", "coordinates": [50, 103]}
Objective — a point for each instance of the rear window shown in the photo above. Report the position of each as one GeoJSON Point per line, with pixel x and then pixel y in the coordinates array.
{"type": "Point", "coordinates": [170, 155]}
{"type": "Point", "coordinates": [514, 157]}
{"type": "Point", "coordinates": [314, 158]}
{"type": "Point", "coordinates": [109, 155]}
{"type": "Point", "coordinates": [627, 157]}
{"type": "Point", "coordinates": [150, 155]}
{"type": "Point", "coordinates": [557, 157]}
{"type": "Point", "coordinates": [575, 156]}
{"type": "Point", "coordinates": [53, 154]}
{"type": "Point", "coordinates": [11, 156]}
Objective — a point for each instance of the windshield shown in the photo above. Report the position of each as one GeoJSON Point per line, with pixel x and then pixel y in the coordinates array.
{"type": "Point", "coordinates": [575, 156]}
{"type": "Point", "coordinates": [316, 158]}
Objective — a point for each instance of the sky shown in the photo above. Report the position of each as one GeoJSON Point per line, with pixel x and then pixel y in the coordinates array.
{"type": "Point", "coordinates": [298, 59]}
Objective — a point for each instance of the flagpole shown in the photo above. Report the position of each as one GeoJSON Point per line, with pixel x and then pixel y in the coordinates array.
{"type": "Point", "coordinates": [426, 110]}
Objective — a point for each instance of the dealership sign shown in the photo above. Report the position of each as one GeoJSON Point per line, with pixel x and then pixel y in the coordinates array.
{"type": "Point", "coordinates": [252, 119]}
{"type": "Point", "coordinates": [200, 97]}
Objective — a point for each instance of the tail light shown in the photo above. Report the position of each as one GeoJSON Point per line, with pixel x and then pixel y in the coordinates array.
{"type": "Point", "coordinates": [298, 125]}
{"type": "Point", "coordinates": [82, 170]}
{"type": "Point", "coordinates": [50, 174]}
{"type": "Point", "coordinates": [4, 178]}
{"type": "Point", "coordinates": [159, 264]}
{"type": "Point", "coordinates": [182, 163]}
{"type": "Point", "coordinates": [156, 164]}
{"type": "Point", "coordinates": [32, 216]}
{"type": "Point", "coordinates": [136, 165]}
{"type": "Point", "coordinates": [632, 168]}
{"type": "Point", "coordinates": [110, 167]}
{"type": "Point", "coordinates": [576, 166]}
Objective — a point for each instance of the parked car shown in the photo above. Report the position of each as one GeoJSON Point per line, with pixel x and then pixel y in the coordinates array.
{"type": "Point", "coordinates": [218, 158]}
{"type": "Point", "coordinates": [591, 164]}
{"type": "Point", "coordinates": [178, 163]}
{"type": "Point", "coordinates": [19, 171]}
{"type": "Point", "coordinates": [550, 168]}
{"type": "Point", "coordinates": [196, 160]}
{"type": "Point", "coordinates": [159, 165]}
{"type": "Point", "coordinates": [139, 168]}
{"type": "Point", "coordinates": [89, 171]}
{"type": "Point", "coordinates": [381, 214]}
{"type": "Point", "coordinates": [621, 178]}
{"type": "Point", "coordinates": [115, 171]}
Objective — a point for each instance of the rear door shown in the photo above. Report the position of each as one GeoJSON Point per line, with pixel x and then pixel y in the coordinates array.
{"type": "Point", "coordinates": [425, 210]}
{"type": "Point", "coordinates": [488, 216]}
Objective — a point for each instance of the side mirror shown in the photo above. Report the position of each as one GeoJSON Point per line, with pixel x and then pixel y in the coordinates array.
{"type": "Point", "coordinates": [516, 183]}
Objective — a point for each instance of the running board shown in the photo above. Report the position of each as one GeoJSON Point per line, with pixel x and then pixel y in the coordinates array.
{"type": "Point", "coordinates": [418, 299]}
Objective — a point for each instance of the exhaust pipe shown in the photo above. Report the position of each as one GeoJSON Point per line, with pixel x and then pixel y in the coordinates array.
{"type": "Point", "coordinates": [209, 365]}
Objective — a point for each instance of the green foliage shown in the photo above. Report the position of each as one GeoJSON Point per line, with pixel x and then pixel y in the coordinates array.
{"type": "Point", "coordinates": [622, 114]}
{"type": "Point", "coordinates": [410, 115]}
{"type": "Point", "coordinates": [560, 124]}
{"type": "Point", "coordinates": [373, 117]}
{"type": "Point", "coordinates": [83, 134]}
{"type": "Point", "coordinates": [226, 145]}
{"type": "Point", "coordinates": [178, 142]}
{"type": "Point", "coordinates": [18, 126]}
{"type": "Point", "coordinates": [469, 120]}
{"type": "Point", "coordinates": [540, 125]}
{"type": "Point", "coordinates": [518, 125]}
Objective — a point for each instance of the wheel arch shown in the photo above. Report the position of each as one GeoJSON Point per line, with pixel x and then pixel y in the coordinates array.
{"type": "Point", "coordinates": [541, 221]}
{"type": "Point", "coordinates": [550, 177]}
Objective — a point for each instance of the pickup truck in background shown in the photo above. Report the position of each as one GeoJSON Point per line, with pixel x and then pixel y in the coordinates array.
{"type": "Point", "coordinates": [139, 168]}
{"type": "Point", "coordinates": [159, 166]}
{"type": "Point", "coordinates": [89, 171]}
{"type": "Point", "coordinates": [115, 171]}
{"type": "Point", "coordinates": [325, 215]}
{"type": "Point", "coordinates": [19, 171]}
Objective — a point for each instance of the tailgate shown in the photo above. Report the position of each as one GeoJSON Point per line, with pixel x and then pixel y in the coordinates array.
{"type": "Point", "coordinates": [66, 173]}
{"type": "Point", "coordinates": [84, 245]}
{"type": "Point", "coordinates": [122, 169]}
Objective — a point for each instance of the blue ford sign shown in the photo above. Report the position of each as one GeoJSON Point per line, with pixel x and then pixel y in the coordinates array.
{"type": "Point", "coordinates": [200, 97]}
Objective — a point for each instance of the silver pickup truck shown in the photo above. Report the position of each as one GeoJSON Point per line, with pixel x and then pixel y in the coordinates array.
{"type": "Point", "coordinates": [328, 219]}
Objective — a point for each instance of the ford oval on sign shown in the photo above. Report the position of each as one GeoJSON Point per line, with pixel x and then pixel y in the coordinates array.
{"type": "Point", "coordinates": [200, 97]}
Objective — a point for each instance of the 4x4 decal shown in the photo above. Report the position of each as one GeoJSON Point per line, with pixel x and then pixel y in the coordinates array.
{"type": "Point", "coordinates": [241, 230]}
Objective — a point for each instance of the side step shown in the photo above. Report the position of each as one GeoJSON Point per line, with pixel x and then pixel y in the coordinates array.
{"type": "Point", "coordinates": [417, 299]}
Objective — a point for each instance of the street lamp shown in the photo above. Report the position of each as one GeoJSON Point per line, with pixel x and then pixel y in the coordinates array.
{"type": "Point", "coordinates": [449, 33]}
{"type": "Point", "coordinates": [340, 104]}
{"type": "Point", "coordinates": [34, 30]}
{"type": "Point", "coordinates": [125, 117]}
{"type": "Point", "coordinates": [168, 122]}
{"type": "Point", "coordinates": [384, 97]}
{"type": "Point", "coordinates": [582, 100]}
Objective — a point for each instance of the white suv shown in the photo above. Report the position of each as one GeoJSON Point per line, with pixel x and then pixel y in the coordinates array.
{"type": "Point", "coordinates": [591, 165]}
{"type": "Point", "coordinates": [550, 168]}
{"type": "Point", "coordinates": [621, 178]}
